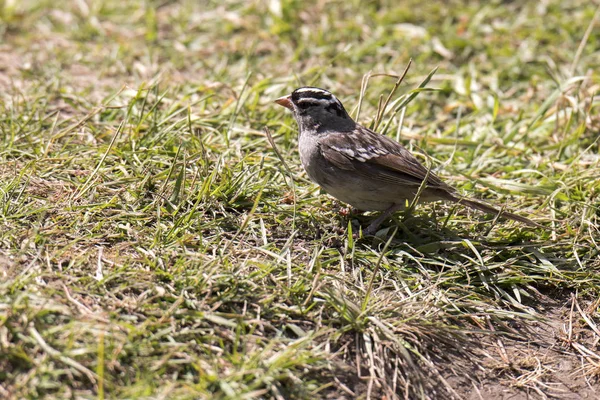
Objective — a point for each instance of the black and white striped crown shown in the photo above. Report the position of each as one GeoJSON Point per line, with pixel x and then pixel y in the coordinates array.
{"type": "Point", "coordinates": [307, 97]}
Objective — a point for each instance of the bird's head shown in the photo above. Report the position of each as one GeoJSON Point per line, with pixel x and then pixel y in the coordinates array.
{"type": "Point", "coordinates": [316, 109]}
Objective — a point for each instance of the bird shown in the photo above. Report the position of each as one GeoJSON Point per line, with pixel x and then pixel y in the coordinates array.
{"type": "Point", "coordinates": [362, 168]}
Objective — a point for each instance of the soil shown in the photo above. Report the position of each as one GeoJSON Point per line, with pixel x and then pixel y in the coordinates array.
{"type": "Point", "coordinates": [556, 359]}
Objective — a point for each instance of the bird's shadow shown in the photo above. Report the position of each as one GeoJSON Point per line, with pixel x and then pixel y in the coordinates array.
{"type": "Point", "coordinates": [497, 242]}
{"type": "Point", "coordinates": [430, 234]}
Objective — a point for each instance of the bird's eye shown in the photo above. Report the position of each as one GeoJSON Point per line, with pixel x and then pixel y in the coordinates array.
{"type": "Point", "coordinates": [307, 103]}
{"type": "Point", "coordinates": [335, 108]}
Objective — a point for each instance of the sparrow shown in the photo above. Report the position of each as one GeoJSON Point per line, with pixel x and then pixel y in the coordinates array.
{"type": "Point", "coordinates": [365, 169]}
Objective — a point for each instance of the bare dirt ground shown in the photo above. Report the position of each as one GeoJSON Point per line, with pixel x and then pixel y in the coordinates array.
{"type": "Point", "coordinates": [543, 360]}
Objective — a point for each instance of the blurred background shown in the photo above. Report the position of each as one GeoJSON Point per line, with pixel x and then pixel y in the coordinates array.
{"type": "Point", "coordinates": [516, 50]}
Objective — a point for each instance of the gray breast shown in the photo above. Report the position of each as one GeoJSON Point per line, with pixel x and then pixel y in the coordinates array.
{"type": "Point", "coordinates": [312, 160]}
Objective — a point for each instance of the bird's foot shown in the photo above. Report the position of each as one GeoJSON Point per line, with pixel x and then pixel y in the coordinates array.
{"type": "Point", "coordinates": [349, 211]}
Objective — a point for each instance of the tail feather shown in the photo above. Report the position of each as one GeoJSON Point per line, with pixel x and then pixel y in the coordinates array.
{"type": "Point", "coordinates": [493, 210]}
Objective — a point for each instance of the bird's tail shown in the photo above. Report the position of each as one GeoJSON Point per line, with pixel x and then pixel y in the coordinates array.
{"type": "Point", "coordinates": [493, 210]}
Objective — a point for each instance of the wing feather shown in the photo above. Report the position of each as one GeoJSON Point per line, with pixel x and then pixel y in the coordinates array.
{"type": "Point", "coordinates": [377, 157]}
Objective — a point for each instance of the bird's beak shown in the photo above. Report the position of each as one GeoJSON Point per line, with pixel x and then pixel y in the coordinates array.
{"type": "Point", "coordinates": [285, 101]}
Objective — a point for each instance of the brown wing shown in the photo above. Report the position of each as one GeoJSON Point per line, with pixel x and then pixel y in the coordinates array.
{"type": "Point", "coordinates": [376, 157]}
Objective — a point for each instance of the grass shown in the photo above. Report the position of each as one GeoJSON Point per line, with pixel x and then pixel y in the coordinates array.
{"type": "Point", "coordinates": [153, 245]}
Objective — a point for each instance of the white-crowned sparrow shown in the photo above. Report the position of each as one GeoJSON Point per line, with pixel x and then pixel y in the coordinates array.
{"type": "Point", "coordinates": [360, 167]}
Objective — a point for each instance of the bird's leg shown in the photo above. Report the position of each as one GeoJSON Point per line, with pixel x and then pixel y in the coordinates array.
{"type": "Point", "coordinates": [372, 228]}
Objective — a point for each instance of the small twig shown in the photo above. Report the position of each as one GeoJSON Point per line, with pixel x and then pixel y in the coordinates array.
{"type": "Point", "coordinates": [389, 98]}
{"type": "Point", "coordinates": [587, 319]}
{"type": "Point", "coordinates": [57, 355]}
{"type": "Point", "coordinates": [570, 332]}
{"type": "Point", "coordinates": [363, 89]}
{"type": "Point", "coordinates": [287, 168]}
{"type": "Point", "coordinates": [422, 187]}
{"type": "Point", "coordinates": [87, 185]}
{"type": "Point", "coordinates": [501, 347]}
{"type": "Point", "coordinates": [276, 150]}
{"type": "Point", "coordinates": [584, 40]}
{"type": "Point", "coordinates": [376, 270]}
{"type": "Point", "coordinates": [99, 274]}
